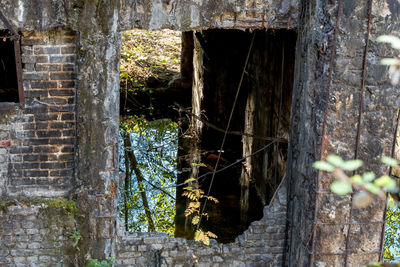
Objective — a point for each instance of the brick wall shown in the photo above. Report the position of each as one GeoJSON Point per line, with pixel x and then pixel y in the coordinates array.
{"type": "Point", "coordinates": [260, 245]}
{"type": "Point", "coordinates": [37, 155]}
{"type": "Point", "coordinates": [37, 142]}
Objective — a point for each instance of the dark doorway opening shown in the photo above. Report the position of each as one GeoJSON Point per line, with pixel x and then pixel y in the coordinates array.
{"type": "Point", "coordinates": [8, 69]}
{"type": "Point", "coordinates": [255, 149]}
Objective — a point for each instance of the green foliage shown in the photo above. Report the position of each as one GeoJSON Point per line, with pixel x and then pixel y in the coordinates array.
{"type": "Point", "coordinates": [204, 237]}
{"type": "Point", "coordinates": [373, 264]}
{"type": "Point", "coordinates": [76, 236]}
{"type": "Point", "coordinates": [389, 61]}
{"type": "Point", "coordinates": [323, 166]}
{"type": "Point", "coordinates": [366, 182]}
{"type": "Point", "coordinates": [374, 189]}
{"type": "Point", "coordinates": [394, 63]}
{"type": "Point", "coordinates": [68, 205]}
{"type": "Point", "coordinates": [368, 186]}
{"type": "Point", "coordinates": [389, 161]}
{"type": "Point", "coordinates": [352, 165]}
{"type": "Point", "coordinates": [108, 262]}
{"type": "Point", "coordinates": [335, 160]}
{"type": "Point", "coordinates": [386, 182]}
{"type": "Point", "coordinates": [4, 206]}
{"type": "Point", "coordinates": [155, 145]}
{"type": "Point", "coordinates": [368, 176]}
{"type": "Point", "coordinates": [394, 41]}
{"type": "Point", "coordinates": [340, 188]}
{"type": "Point", "coordinates": [147, 54]}
{"type": "Point", "coordinates": [195, 197]}
{"type": "Point", "coordinates": [392, 234]}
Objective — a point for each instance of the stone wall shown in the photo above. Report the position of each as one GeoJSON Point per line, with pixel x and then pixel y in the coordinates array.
{"type": "Point", "coordinates": [36, 233]}
{"type": "Point", "coordinates": [261, 245]}
{"type": "Point", "coordinates": [343, 104]}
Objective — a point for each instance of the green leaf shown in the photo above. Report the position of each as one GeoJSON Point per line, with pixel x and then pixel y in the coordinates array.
{"type": "Point", "coordinates": [352, 165]}
{"type": "Point", "coordinates": [391, 203]}
{"type": "Point", "coordinates": [389, 61]}
{"type": "Point", "coordinates": [340, 188]}
{"type": "Point", "coordinates": [357, 179]}
{"type": "Point", "coordinates": [335, 160]}
{"type": "Point", "coordinates": [323, 166]}
{"type": "Point", "coordinates": [393, 40]}
{"type": "Point", "coordinates": [372, 188]}
{"type": "Point", "coordinates": [376, 264]}
{"type": "Point", "coordinates": [386, 182]}
{"type": "Point", "coordinates": [389, 161]}
{"type": "Point", "coordinates": [382, 181]}
{"type": "Point", "coordinates": [368, 176]}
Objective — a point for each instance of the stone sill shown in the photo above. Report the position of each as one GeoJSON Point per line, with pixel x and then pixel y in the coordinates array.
{"type": "Point", "coordinates": [10, 106]}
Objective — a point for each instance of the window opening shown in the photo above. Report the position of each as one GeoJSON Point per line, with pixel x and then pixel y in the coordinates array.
{"type": "Point", "coordinates": [149, 163]}
{"type": "Point", "coordinates": [150, 84]}
{"type": "Point", "coordinates": [11, 89]}
{"type": "Point", "coordinates": [392, 232]}
{"type": "Point", "coordinates": [198, 102]}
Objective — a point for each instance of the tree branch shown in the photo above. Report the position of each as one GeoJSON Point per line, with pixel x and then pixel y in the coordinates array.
{"type": "Point", "coordinates": [126, 187]}
{"type": "Point", "coordinates": [159, 188]}
{"type": "Point", "coordinates": [139, 176]}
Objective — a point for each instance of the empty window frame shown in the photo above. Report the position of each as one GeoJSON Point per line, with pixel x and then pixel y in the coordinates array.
{"type": "Point", "coordinates": [11, 89]}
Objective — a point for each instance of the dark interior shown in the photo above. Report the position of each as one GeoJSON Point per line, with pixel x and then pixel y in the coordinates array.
{"type": "Point", "coordinates": [267, 84]}
{"type": "Point", "coordinates": [8, 71]}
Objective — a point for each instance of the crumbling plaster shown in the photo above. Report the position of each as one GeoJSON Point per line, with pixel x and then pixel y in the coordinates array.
{"type": "Point", "coordinates": [155, 14]}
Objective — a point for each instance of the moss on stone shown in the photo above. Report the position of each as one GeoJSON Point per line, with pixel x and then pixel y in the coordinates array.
{"type": "Point", "coordinates": [3, 206]}
{"type": "Point", "coordinates": [69, 206]}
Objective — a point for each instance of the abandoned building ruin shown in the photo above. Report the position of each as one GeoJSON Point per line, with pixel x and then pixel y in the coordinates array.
{"type": "Point", "coordinates": [315, 63]}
